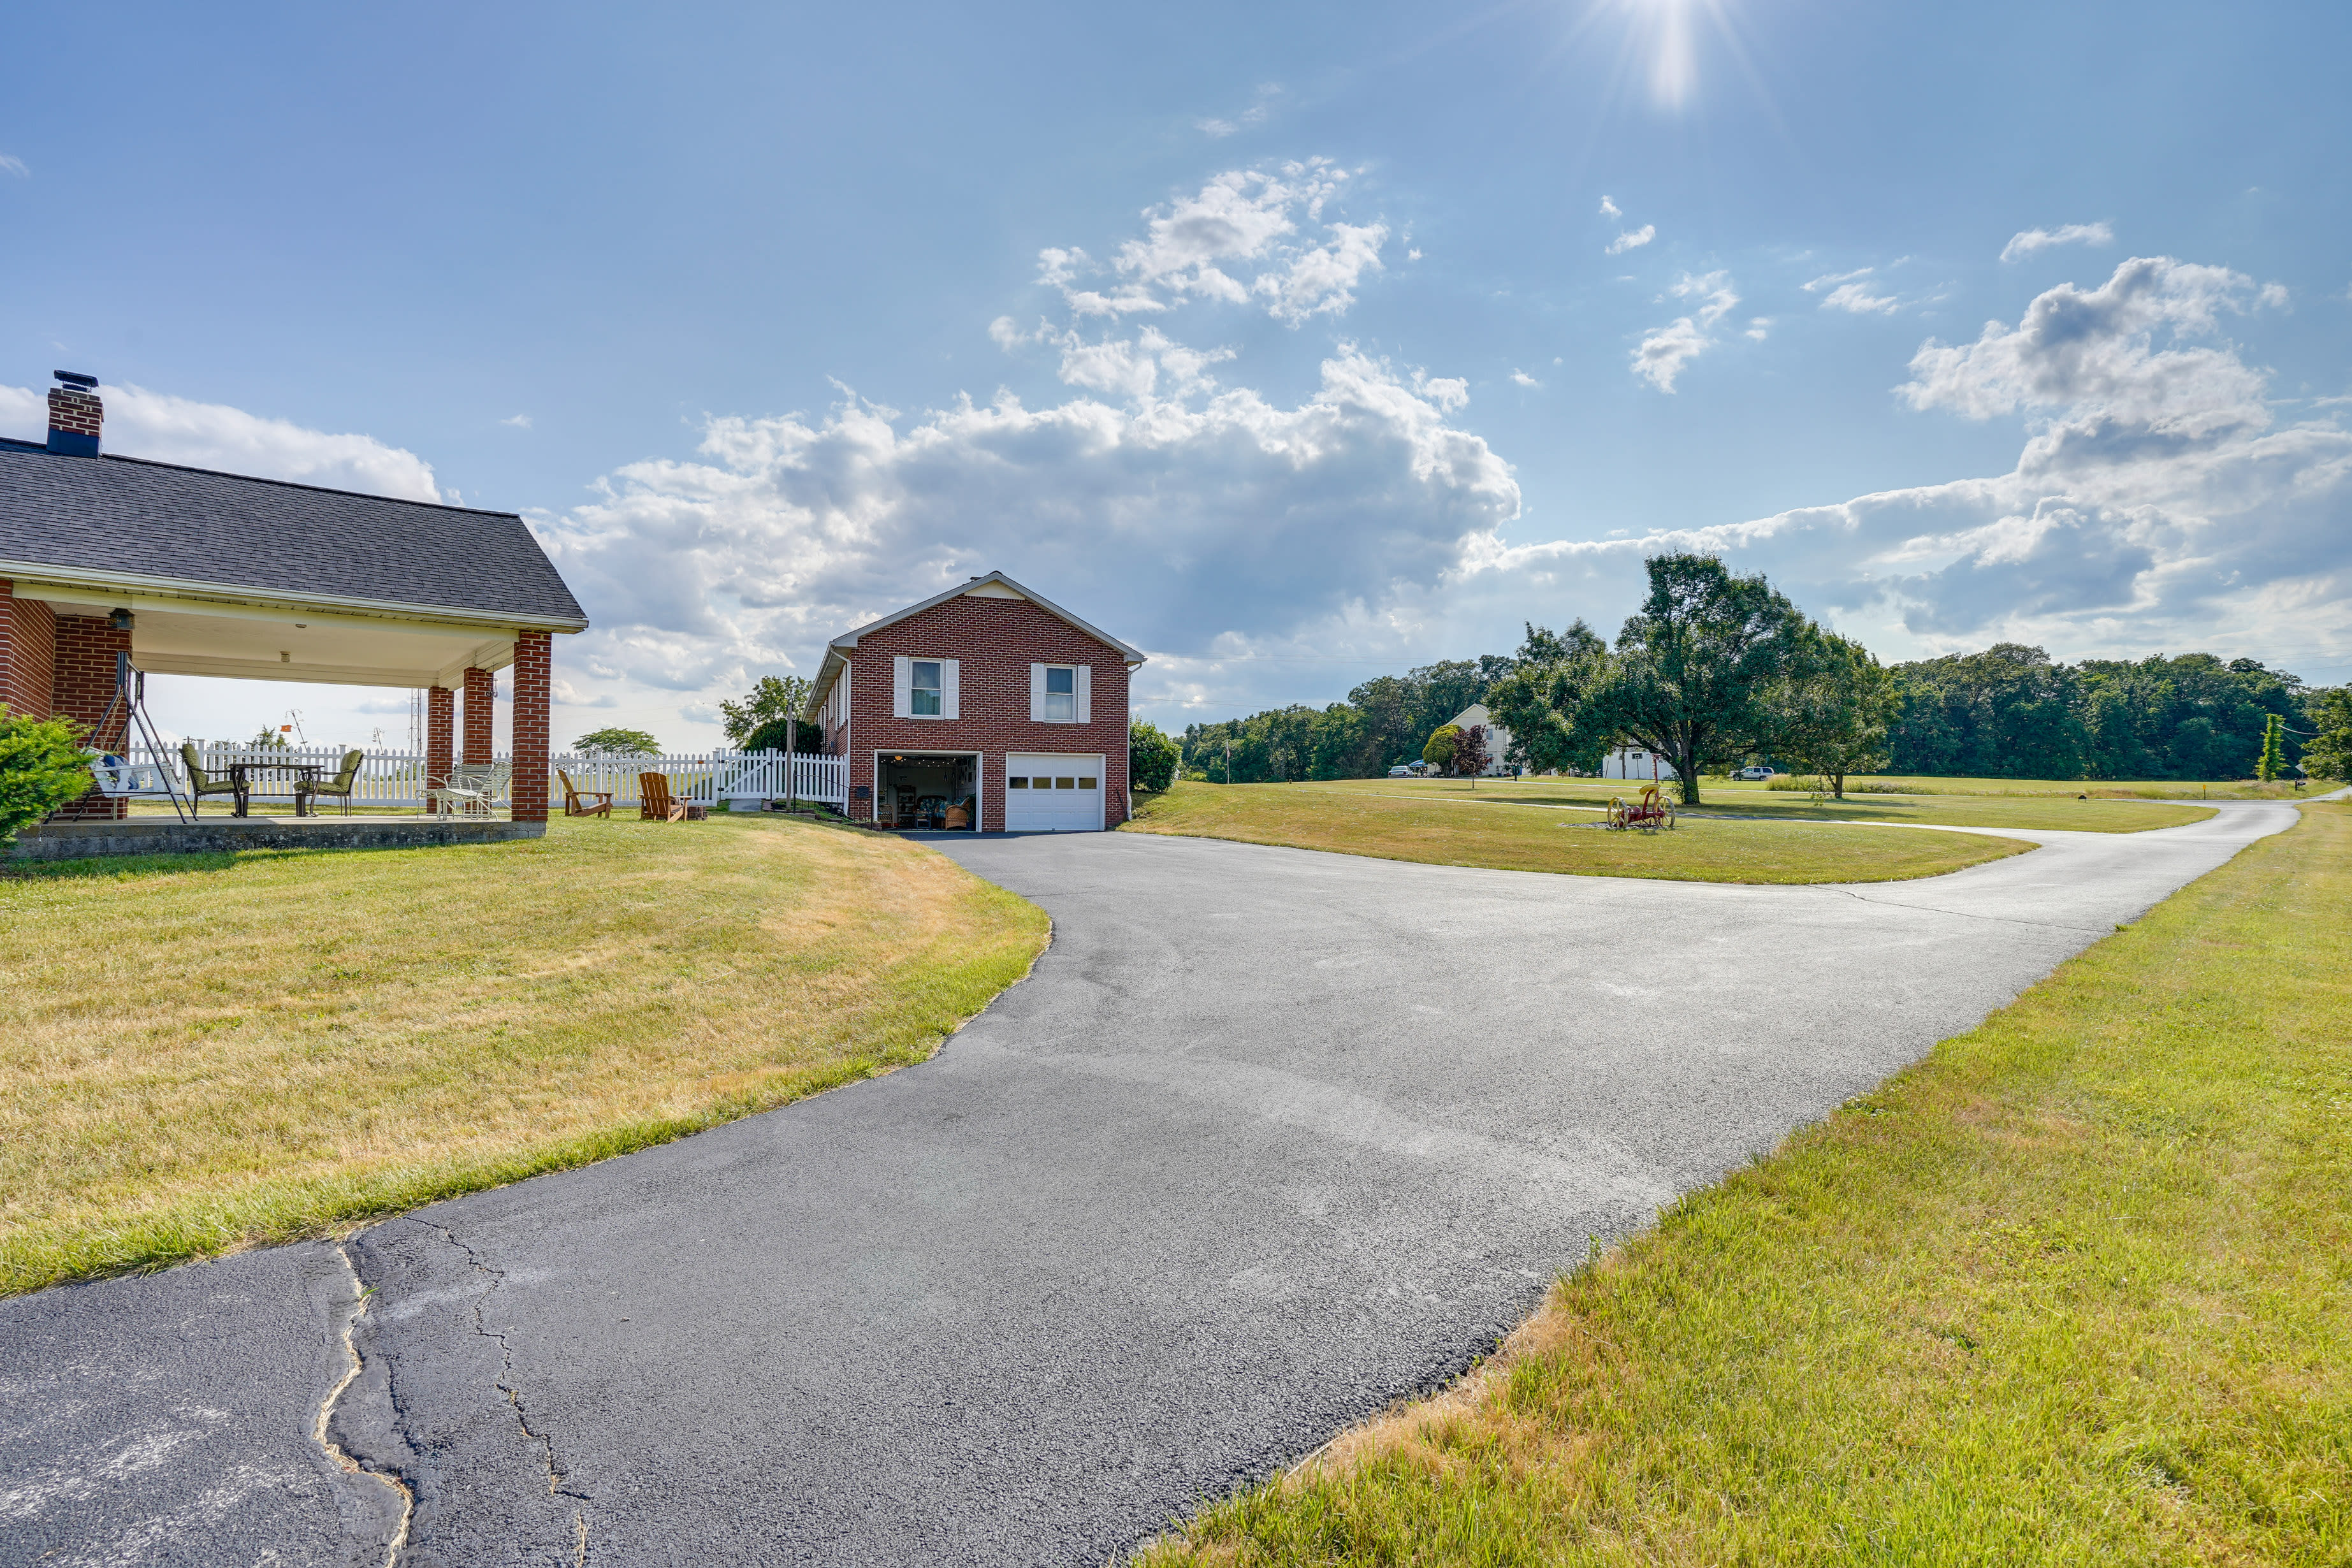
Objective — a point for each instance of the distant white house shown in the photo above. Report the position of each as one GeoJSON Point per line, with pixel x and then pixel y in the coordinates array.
{"type": "Point", "coordinates": [1633, 762]}
{"type": "Point", "coordinates": [1498, 738]}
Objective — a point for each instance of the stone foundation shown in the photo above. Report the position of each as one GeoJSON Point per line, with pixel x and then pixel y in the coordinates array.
{"type": "Point", "coordinates": [82, 840]}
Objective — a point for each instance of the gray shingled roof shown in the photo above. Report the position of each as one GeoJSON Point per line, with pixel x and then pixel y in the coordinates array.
{"type": "Point", "coordinates": [155, 519]}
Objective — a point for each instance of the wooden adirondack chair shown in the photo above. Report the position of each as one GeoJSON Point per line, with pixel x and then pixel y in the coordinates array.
{"type": "Point", "coordinates": [653, 804]}
{"type": "Point", "coordinates": [578, 802]}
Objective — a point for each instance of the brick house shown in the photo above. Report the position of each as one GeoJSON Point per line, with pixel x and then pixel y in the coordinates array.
{"type": "Point", "coordinates": [989, 701]}
{"type": "Point", "coordinates": [194, 572]}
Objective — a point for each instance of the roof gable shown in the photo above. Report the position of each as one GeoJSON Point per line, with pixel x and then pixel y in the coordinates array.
{"type": "Point", "coordinates": [996, 585]}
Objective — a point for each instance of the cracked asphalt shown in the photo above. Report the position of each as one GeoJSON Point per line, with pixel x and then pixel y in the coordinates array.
{"type": "Point", "coordinates": [1268, 1140]}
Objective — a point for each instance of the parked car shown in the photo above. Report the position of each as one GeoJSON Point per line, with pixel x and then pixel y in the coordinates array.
{"type": "Point", "coordinates": [1400, 772]}
{"type": "Point", "coordinates": [1754, 775]}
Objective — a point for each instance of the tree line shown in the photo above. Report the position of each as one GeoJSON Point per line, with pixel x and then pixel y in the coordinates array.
{"type": "Point", "coordinates": [1715, 670]}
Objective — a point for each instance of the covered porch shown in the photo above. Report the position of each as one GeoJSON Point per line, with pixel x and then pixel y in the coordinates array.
{"type": "Point", "coordinates": [112, 569]}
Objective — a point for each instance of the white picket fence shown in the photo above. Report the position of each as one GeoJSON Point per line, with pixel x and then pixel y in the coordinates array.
{"type": "Point", "coordinates": [396, 778]}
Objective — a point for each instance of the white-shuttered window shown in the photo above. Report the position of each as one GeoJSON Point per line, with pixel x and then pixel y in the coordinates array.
{"type": "Point", "coordinates": [1061, 693]}
{"type": "Point", "coordinates": [924, 687]}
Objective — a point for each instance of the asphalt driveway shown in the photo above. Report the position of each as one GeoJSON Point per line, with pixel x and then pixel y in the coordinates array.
{"type": "Point", "coordinates": [1270, 1139]}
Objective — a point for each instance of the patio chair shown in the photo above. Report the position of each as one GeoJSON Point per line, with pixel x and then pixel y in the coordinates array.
{"type": "Point", "coordinates": [200, 783]}
{"type": "Point", "coordinates": [470, 790]}
{"type": "Point", "coordinates": [345, 778]}
{"type": "Point", "coordinates": [577, 801]}
{"type": "Point", "coordinates": [653, 804]}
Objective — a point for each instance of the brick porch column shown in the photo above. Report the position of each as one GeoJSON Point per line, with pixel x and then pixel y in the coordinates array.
{"type": "Point", "coordinates": [81, 689]}
{"type": "Point", "coordinates": [478, 716]}
{"type": "Point", "coordinates": [29, 654]}
{"type": "Point", "coordinates": [439, 732]}
{"type": "Point", "coordinates": [532, 675]}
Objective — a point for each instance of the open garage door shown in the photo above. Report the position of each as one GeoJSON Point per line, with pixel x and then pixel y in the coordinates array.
{"type": "Point", "coordinates": [1045, 792]}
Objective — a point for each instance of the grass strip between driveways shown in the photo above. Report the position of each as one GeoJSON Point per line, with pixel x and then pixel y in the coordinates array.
{"type": "Point", "coordinates": [202, 1052]}
{"type": "Point", "coordinates": [1352, 819]}
{"type": "Point", "coordinates": [2078, 1289]}
{"type": "Point", "coordinates": [1717, 795]}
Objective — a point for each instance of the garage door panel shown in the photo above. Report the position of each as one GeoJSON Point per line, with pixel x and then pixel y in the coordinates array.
{"type": "Point", "coordinates": [1051, 792]}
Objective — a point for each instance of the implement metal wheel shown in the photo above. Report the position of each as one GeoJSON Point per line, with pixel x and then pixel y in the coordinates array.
{"type": "Point", "coordinates": [1617, 812]}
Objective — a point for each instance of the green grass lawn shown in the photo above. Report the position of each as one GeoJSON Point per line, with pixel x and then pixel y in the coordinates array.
{"type": "Point", "coordinates": [202, 1052]}
{"type": "Point", "coordinates": [1398, 826]}
{"type": "Point", "coordinates": [2075, 1289]}
{"type": "Point", "coordinates": [1724, 797]}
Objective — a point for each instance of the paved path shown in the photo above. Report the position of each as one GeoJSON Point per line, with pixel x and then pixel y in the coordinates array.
{"type": "Point", "coordinates": [1271, 1138]}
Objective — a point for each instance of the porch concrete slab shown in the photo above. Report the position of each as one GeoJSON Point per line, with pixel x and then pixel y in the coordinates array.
{"type": "Point", "coordinates": [213, 836]}
{"type": "Point", "coordinates": [1269, 1140]}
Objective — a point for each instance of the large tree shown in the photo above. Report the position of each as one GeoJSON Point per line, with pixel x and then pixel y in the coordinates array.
{"type": "Point", "coordinates": [1700, 667]}
{"type": "Point", "coordinates": [1538, 702]}
{"type": "Point", "coordinates": [775, 699]}
{"type": "Point", "coordinates": [1835, 710]}
{"type": "Point", "coordinates": [615, 742]}
{"type": "Point", "coordinates": [2329, 755]}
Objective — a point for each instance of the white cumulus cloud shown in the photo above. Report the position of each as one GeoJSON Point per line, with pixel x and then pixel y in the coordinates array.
{"type": "Point", "coordinates": [1610, 208]}
{"type": "Point", "coordinates": [1632, 240]}
{"type": "Point", "coordinates": [1858, 299]}
{"type": "Point", "coordinates": [1248, 236]}
{"type": "Point", "coordinates": [1665, 351]}
{"type": "Point", "coordinates": [1173, 522]}
{"type": "Point", "coordinates": [168, 429]}
{"type": "Point", "coordinates": [1186, 513]}
{"type": "Point", "coordinates": [1524, 379]}
{"type": "Point", "coordinates": [2158, 500]}
{"type": "Point", "coordinates": [2025, 242]}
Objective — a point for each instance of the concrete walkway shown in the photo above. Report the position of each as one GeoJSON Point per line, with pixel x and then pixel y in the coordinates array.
{"type": "Point", "coordinates": [1270, 1140]}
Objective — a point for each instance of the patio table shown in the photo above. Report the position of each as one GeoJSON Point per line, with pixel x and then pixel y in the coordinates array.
{"type": "Point", "coordinates": [241, 775]}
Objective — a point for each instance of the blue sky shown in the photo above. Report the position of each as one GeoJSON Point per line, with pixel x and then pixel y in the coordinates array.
{"type": "Point", "coordinates": [1299, 343]}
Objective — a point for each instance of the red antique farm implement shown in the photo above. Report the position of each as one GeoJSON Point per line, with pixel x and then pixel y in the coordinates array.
{"type": "Point", "coordinates": [1653, 812]}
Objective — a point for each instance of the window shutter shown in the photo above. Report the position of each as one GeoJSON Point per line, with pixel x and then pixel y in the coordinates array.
{"type": "Point", "coordinates": [1084, 681]}
{"type": "Point", "coordinates": [1036, 694]}
{"type": "Point", "coordinates": [902, 688]}
{"type": "Point", "coordinates": [949, 690]}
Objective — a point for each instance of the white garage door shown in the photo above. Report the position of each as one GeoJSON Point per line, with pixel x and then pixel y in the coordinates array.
{"type": "Point", "coordinates": [1052, 794]}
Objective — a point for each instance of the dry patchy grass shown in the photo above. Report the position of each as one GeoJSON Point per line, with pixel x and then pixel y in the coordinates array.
{"type": "Point", "coordinates": [2077, 1290]}
{"type": "Point", "coordinates": [203, 1052]}
{"type": "Point", "coordinates": [1444, 830]}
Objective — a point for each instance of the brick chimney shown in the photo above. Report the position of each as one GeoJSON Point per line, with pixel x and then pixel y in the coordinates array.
{"type": "Point", "coordinates": [74, 415]}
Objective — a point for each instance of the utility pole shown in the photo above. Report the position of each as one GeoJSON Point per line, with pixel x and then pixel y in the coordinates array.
{"type": "Point", "coordinates": [1229, 761]}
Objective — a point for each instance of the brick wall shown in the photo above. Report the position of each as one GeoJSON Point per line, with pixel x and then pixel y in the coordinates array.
{"type": "Point", "coordinates": [533, 678]}
{"type": "Point", "coordinates": [440, 733]}
{"type": "Point", "coordinates": [478, 716]}
{"type": "Point", "coordinates": [994, 642]}
{"type": "Point", "coordinates": [81, 686]}
{"type": "Point", "coordinates": [29, 654]}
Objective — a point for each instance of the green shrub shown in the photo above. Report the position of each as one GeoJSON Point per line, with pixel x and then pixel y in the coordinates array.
{"type": "Point", "coordinates": [1151, 756]}
{"type": "Point", "coordinates": [42, 766]}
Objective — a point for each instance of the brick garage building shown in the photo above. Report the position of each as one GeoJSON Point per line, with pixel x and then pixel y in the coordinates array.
{"type": "Point", "coordinates": [986, 707]}
{"type": "Point", "coordinates": [195, 571]}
